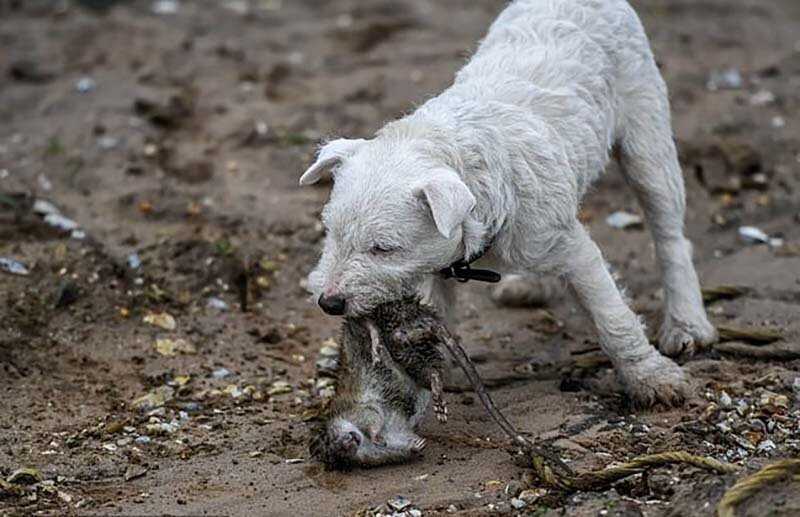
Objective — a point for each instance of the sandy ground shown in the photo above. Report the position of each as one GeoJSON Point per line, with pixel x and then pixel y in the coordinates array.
{"type": "Point", "coordinates": [185, 147]}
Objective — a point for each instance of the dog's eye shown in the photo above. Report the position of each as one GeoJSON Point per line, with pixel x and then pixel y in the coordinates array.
{"type": "Point", "coordinates": [382, 249]}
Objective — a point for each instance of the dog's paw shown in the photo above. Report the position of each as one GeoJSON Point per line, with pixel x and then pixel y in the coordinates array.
{"type": "Point", "coordinates": [654, 380]}
{"type": "Point", "coordinates": [522, 291]}
{"type": "Point", "coordinates": [685, 339]}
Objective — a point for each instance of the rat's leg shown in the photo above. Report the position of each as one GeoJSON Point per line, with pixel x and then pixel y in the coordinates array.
{"type": "Point", "coordinates": [378, 347]}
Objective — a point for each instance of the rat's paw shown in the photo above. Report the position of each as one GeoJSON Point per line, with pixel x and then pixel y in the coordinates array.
{"type": "Point", "coordinates": [437, 396]}
{"type": "Point", "coordinates": [654, 380]}
{"type": "Point", "coordinates": [677, 338]}
{"type": "Point", "coordinates": [419, 444]}
{"type": "Point", "coordinates": [440, 410]}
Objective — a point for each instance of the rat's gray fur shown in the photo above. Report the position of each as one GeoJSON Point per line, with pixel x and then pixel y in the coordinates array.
{"type": "Point", "coordinates": [378, 405]}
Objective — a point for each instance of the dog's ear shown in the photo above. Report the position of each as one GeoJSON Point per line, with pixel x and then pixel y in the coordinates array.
{"type": "Point", "coordinates": [329, 155]}
{"type": "Point", "coordinates": [448, 198]}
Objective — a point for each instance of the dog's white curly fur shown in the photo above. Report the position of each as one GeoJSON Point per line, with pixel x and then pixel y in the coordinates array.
{"type": "Point", "coordinates": [506, 155]}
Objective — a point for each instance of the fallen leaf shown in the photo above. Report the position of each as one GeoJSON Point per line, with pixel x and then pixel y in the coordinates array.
{"type": "Point", "coordinates": [156, 398]}
{"type": "Point", "coordinates": [25, 476]}
{"type": "Point", "coordinates": [134, 472]}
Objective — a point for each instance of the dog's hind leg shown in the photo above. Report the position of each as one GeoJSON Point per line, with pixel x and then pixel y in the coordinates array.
{"type": "Point", "coordinates": [648, 377]}
{"type": "Point", "coordinates": [649, 162]}
{"type": "Point", "coordinates": [526, 291]}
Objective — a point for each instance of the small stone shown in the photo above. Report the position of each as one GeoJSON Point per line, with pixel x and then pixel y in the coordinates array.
{"type": "Point", "coordinates": [107, 143]}
{"type": "Point", "coordinates": [134, 262]}
{"type": "Point", "coordinates": [796, 385]}
{"type": "Point", "coordinates": [533, 494]}
{"type": "Point", "coordinates": [519, 504]}
{"type": "Point", "coordinates": [493, 485]}
{"type": "Point", "coordinates": [279, 388]}
{"type": "Point", "coordinates": [44, 207]}
{"type": "Point", "coordinates": [115, 427]}
{"type": "Point", "coordinates": [165, 7]}
{"type": "Point", "coordinates": [294, 461]}
{"type": "Point", "coordinates": [742, 408]}
{"type": "Point", "coordinates": [762, 98]}
{"type": "Point", "coordinates": [162, 428]}
{"type": "Point", "coordinates": [173, 347]}
{"type": "Point", "coordinates": [513, 488]}
{"type": "Point", "coordinates": [233, 390]}
{"type": "Point", "coordinates": [325, 387]}
{"type": "Point", "coordinates": [729, 79]}
{"type": "Point", "coordinates": [766, 446]}
{"type": "Point", "coordinates": [181, 380]}
{"type": "Point", "coordinates": [13, 267]}
{"type": "Point", "coordinates": [725, 401]}
{"type": "Point", "coordinates": [753, 235]}
{"type": "Point", "coordinates": [221, 373]}
{"type": "Point", "coordinates": [134, 472]}
{"type": "Point", "coordinates": [414, 512]}
{"type": "Point", "coordinates": [774, 400]}
{"type": "Point", "coordinates": [61, 222]}
{"type": "Point", "coordinates": [216, 303]}
{"type": "Point", "coordinates": [399, 503]}
{"type": "Point", "coordinates": [162, 320]}
{"type": "Point", "coordinates": [329, 351]}
{"type": "Point", "coordinates": [711, 412]}
{"type": "Point", "coordinates": [85, 85]}
{"type": "Point", "coordinates": [452, 509]}
{"type": "Point", "coordinates": [142, 440]}
{"type": "Point", "coordinates": [327, 366]}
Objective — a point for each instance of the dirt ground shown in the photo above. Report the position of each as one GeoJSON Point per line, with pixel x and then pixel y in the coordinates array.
{"type": "Point", "coordinates": [175, 141]}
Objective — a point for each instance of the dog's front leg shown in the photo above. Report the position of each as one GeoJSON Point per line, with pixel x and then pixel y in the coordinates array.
{"type": "Point", "coordinates": [648, 377]}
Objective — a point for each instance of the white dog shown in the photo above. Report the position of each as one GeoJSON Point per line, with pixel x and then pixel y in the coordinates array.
{"type": "Point", "coordinates": [498, 164]}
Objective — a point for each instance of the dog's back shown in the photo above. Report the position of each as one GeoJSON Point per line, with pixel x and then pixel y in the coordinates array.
{"type": "Point", "coordinates": [562, 66]}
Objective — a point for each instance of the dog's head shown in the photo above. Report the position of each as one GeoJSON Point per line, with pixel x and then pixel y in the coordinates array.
{"type": "Point", "coordinates": [392, 218]}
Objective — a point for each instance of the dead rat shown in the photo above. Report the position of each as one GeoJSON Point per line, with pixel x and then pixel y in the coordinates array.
{"type": "Point", "coordinates": [392, 367]}
{"type": "Point", "coordinates": [386, 382]}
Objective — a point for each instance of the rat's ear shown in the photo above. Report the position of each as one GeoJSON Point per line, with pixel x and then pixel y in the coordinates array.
{"type": "Point", "coordinates": [329, 155]}
{"type": "Point", "coordinates": [448, 198]}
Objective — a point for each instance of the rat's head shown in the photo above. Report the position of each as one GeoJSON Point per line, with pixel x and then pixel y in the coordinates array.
{"type": "Point", "coordinates": [364, 436]}
{"type": "Point", "coordinates": [392, 218]}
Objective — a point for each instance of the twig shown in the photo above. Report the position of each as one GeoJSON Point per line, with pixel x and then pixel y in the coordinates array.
{"type": "Point", "coordinates": [778, 351]}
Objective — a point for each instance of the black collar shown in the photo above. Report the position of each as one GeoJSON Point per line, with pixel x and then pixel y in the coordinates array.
{"type": "Point", "coordinates": [461, 270]}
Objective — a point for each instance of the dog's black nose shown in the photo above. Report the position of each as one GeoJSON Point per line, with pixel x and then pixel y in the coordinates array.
{"type": "Point", "coordinates": [333, 305]}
